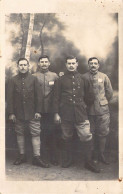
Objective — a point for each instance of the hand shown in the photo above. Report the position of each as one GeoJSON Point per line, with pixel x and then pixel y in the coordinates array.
{"type": "Point", "coordinates": [57, 118]}
{"type": "Point", "coordinates": [12, 117]}
{"type": "Point", "coordinates": [37, 116]}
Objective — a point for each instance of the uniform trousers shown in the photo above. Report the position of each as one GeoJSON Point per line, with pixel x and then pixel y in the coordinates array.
{"type": "Point", "coordinates": [48, 137]}
{"type": "Point", "coordinates": [35, 129]}
{"type": "Point", "coordinates": [82, 129]}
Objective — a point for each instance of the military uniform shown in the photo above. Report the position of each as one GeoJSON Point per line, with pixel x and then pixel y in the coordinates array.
{"type": "Point", "coordinates": [24, 99]}
{"type": "Point", "coordinates": [48, 135]}
{"type": "Point", "coordinates": [98, 109]}
{"type": "Point", "coordinates": [70, 105]}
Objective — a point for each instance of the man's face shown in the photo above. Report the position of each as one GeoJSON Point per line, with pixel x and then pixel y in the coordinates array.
{"type": "Point", "coordinates": [71, 64]}
{"type": "Point", "coordinates": [23, 66]}
{"type": "Point", "coordinates": [93, 65]}
{"type": "Point", "coordinates": [44, 63]}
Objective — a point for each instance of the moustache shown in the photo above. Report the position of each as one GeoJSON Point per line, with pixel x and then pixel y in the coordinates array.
{"type": "Point", "coordinates": [71, 68]}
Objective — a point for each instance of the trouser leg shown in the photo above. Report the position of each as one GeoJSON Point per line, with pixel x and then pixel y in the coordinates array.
{"type": "Point", "coordinates": [21, 143]}
{"type": "Point", "coordinates": [103, 130]}
{"type": "Point", "coordinates": [67, 135]}
{"type": "Point", "coordinates": [53, 148]}
{"type": "Point", "coordinates": [35, 130]}
{"type": "Point", "coordinates": [85, 136]}
{"type": "Point", "coordinates": [36, 145]}
{"type": "Point", "coordinates": [66, 154]}
{"type": "Point", "coordinates": [102, 143]}
{"type": "Point", "coordinates": [95, 147]}
{"type": "Point", "coordinates": [19, 128]}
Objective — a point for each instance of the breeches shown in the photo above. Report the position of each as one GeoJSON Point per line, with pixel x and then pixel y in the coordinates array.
{"type": "Point", "coordinates": [100, 124]}
{"type": "Point", "coordinates": [82, 129]}
{"type": "Point", "coordinates": [32, 125]}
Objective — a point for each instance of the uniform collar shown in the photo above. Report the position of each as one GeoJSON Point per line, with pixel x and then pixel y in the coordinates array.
{"type": "Point", "coordinates": [71, 72]}
{"type": "Point", "coordinates": [94, 73]}
{"type": "Point", "coordinates": [23, 75]}
{"type": "Point", "coordinates": [44, 71]}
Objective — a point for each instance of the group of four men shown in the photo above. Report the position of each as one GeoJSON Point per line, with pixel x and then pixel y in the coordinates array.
{"type": "Point", "coordinates": [74, 102]}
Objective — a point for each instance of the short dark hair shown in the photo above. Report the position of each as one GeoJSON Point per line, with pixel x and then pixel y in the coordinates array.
{"type": "Point", "coordinates": [21, 59]}
{"type": "Point", "coordinates": [71, 57]}
{"type": "Point", "coordinates": [90, 59]}
{"type": "Point", "coordinates": [43, 56]}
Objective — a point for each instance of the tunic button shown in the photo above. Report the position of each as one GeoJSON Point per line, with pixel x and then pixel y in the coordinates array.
{"type": "Point", "coordinates": [73, 76]}
{"type": "Point", "coordinates": [23, 83]}
{"type": "Point", "coordinates": [24, 102]}
{"type": "Point", "coordinates": [73, 82]}
{"type": "Point", "coordinates": [74, 102]}
{"type": "Point", "coordinates": [74, 95]}
{"type": "Point", "coordinates": [73, 88]}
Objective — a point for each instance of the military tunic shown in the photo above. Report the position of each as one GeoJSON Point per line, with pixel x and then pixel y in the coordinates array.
{"type": "Point", "coordinates": [98, 109]}
{"type": "Point", "coordinates": [102, 90]}
{"type": "Point", "coordinates": [24, 96]}
{"type": "Point", "coordinates": [46, 80]}
{"type": "Point", "coordinates": [69, 103]}
{"type": "Point", "coordinates": [69, 97]}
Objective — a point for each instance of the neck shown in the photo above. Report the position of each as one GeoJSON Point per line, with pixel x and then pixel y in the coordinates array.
{"type": "Point", "coordinates": [44, 70]}
{"type": "Point", "coordinates": [93, 72]}
{"type": "Point", "coordinates": [23, 74]}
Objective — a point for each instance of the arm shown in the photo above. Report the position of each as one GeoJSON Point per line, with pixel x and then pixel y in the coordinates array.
{"type": "Point", "coordinates": [88, 92]}
{"type": "Point", "coordinates": [108, 88]}
{"type": "Point", "coordinates": [10, 96]}
{"type": "Point", "coordinates": [56, 100]}
{"type": "Point", "coordinates": [38, 96]}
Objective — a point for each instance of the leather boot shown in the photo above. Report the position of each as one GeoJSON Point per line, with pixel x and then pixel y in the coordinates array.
{"type": "Point", "coordinates": [39, 162]}
{"type": "Point", "coordinates": [102, 143]}
{"type": "Point", "coordinates": [89, 164]}
{"type": "Point", "coordinates": [66, 154]}
{"type": "Point", "coordinates": [21, 159]}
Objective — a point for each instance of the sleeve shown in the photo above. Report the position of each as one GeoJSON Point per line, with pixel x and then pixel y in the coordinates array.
{"type": "Point", "coordinates": [56, 95]}
{"type": "Point", "coordinates": [10, 96]}
{"type": "Point", "coordinates": [38, 96]}
{"type": "Point", "coordinates": [89, 96]}
{"type": "Point", "coordinates": [108, 88]}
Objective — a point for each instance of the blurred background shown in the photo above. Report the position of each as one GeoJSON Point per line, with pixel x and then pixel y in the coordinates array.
{"type": "Point", "coordinates": [83, 35]}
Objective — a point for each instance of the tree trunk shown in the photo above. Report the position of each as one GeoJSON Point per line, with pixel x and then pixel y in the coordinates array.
{"type": "Point", "coordinates": [29, 37]}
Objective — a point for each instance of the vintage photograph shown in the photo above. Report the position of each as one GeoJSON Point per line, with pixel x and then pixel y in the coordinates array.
{"type": "Point", "coordinates": [61, 96]}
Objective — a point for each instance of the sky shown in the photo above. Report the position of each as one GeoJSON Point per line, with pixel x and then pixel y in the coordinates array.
{"type": "Point", "coordinates": [92, 33]}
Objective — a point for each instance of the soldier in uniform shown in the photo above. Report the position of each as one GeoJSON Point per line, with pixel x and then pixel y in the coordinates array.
{"type": "Point", "coordinates": [24, 101]}
{"type": "Point", "coordinates": [48, 135]}
{"type": "Point", "coordinates": [98, 110]}
{"type": "Point", "coordinates": [70, 112]}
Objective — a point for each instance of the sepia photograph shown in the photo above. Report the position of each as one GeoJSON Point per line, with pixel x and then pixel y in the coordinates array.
{"type": "Point", "coordinates": [62, 96]}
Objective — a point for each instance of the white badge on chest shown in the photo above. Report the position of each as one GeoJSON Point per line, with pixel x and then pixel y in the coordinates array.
{"type": "Point", "coordinates": [51, 83]}
{"type": "Point", "coordinates": [100, 80]}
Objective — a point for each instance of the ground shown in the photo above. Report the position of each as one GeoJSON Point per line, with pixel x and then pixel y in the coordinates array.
{"type": "Point", "coordinates": [77, 172]}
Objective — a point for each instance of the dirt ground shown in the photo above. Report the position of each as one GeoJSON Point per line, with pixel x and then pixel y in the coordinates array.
{"type": "Point", "coordinates": [77, 172]}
